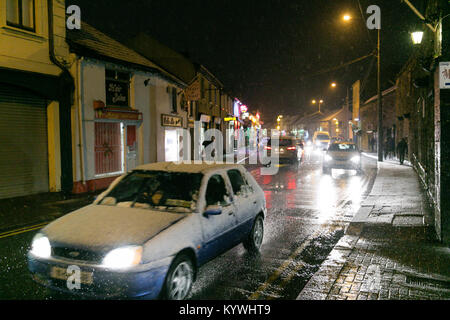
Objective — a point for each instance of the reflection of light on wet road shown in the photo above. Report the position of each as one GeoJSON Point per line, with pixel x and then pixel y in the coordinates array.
{"type": "Point", "coordinates": [355, 191]}
{"type": "Point", "coordinates": [326, 198]}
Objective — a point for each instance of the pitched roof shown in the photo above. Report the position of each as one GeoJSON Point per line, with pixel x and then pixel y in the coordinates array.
{"type": "Point", "coordinates": [92, 42]}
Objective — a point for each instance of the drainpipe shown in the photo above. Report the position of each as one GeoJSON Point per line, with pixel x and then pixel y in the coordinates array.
{"type": "Point", "coordinates": [51, 42]}
{"type": "Point", "coordinates": [80, 119]}
{"type": "Point", "coordinates": [67, 84]}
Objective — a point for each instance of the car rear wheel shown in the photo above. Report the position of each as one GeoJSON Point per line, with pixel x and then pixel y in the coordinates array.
{"type": "Point", "coordinates": [255, 238]}
{"type": "Point", "coordinates": [179, 279]}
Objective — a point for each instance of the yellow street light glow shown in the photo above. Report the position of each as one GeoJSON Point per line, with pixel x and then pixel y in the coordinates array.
{"type": "Point", "coordinates": [313, 102]}
{"type": "Point", "coordinates": [417, 37]}
{"type": "Point", "coordinates": [321, 101]}
{"type": "Point", "coordinates": [346, 17]}
{"type": "Point", "coordinates": [333, 85]}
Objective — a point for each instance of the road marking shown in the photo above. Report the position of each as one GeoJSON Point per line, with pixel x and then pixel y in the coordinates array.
{"type": "Point", "coordinates": [22, 230]}
{"type": "Point", "coordinates": [283, 267]}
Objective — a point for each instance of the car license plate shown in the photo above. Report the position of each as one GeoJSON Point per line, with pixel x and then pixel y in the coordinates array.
{"type": "Point", "coordinates": [61, 274]}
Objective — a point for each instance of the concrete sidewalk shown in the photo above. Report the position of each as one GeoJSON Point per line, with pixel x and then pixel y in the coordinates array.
{"type": "Point", "coordinates": [388, 251]}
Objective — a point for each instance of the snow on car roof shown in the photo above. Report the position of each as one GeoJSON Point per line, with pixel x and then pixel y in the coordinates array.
{"type": "Point", "coordinates": [186, 167]}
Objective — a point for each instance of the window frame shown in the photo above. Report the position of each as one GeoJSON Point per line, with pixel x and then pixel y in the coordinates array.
{"type": "Point", "coordinates": [20, 25]}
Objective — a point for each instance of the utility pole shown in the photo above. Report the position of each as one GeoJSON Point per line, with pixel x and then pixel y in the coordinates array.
{"type": "Point", "coordinates": [380, 104]}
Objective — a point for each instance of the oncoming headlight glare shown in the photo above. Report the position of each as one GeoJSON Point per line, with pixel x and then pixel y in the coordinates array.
{"type": "Point", "coordinates": [356, 159]}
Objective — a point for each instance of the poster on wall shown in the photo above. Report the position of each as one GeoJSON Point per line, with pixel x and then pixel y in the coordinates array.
{"type": "Point", "coordinates": [444, 73]}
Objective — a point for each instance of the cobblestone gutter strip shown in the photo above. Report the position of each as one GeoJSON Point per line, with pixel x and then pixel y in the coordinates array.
{"type": "Point", "coordinates": [322, 282]}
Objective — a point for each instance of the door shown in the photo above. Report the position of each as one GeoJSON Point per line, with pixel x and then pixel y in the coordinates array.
{"type": "Point", "coordinates": [108, 148]}
{"type": "Point", "coordinates": [131, 148]}
{"type": "Point", "coordinates": [244, 199]}
{"type": "Point", "coordinates": [23, 143]}
{"type": "Point", "coordinates": [219, 232]}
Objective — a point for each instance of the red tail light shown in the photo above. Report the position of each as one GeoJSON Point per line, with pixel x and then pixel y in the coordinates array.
{"type": "Point", "coordinates": [267, 148]}
{"type": "Point", "coordinates": [291, 148]}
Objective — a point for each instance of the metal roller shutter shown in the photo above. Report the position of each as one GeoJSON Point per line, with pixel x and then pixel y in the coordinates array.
{"type": "Point", "coordinates": [23, 143]}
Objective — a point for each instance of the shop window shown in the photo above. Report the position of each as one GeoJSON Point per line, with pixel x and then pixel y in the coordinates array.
{"type": "Point", "coordinates": [117, 88]}
{"type": "Point", "coordinates": [108, 148]}
{"type": "Point", "coordinates": [20, 14]}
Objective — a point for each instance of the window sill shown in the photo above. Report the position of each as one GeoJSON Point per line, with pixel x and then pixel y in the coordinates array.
{"type": "Point", "coordinates": [21, 33]}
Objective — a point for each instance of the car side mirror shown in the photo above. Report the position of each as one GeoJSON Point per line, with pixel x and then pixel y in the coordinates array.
{"type": "Point", "coordinates": [212, 211]}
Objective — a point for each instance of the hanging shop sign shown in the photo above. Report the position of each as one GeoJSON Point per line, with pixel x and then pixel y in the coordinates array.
{"type": "Point", "coordinates": [171, 121]}
{"type": "Point", "coordinates": [229, 119]}
{"type": "Point", "coordinates": [444, 73]}
{"type": "Point", "coordinates": [193, 92]}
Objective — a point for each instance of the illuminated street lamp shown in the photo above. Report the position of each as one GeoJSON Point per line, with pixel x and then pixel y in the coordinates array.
{"type": "Point", "coordinates": [416, 37]}
{"type": "Point", "coordinates": [320, 102]}
{"type": "Point", "coordinates": [333, 85]}
{"type": "Point", "coordinates": [347, 17]}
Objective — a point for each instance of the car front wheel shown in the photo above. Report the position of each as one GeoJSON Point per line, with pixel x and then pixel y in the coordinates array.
{"type": "Point", "coordinates": [255, 238]}
{"type": "Point", "coordinates": [179, 279]}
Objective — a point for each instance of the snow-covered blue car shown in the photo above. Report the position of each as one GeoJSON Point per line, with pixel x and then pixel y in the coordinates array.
{"type": "Point", "coordinates": [150, 231]}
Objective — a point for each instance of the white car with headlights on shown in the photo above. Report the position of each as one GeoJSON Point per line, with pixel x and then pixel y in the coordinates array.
{"type": "Point", "coordinates": [342, 155]}
{"type": "Point", "coordinates": [150, 231]}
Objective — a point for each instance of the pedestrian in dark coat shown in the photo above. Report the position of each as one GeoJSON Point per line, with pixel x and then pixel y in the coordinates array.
{"type": "Point", "coordinates": [402, 148]}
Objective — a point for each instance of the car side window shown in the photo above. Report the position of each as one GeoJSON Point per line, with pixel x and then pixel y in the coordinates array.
{"type": "Point", "coordinates": [236, 179]}
{"type": "Point", "coordinates": [238, 182]}
{"type": "Point", "coordinates": [216, 191]}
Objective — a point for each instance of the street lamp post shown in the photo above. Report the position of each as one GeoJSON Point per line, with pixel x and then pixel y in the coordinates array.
{"type": "Point", "coordinates": [320, 102]}
{"type": "Point", "coordinates": [380, 103]}
{"type": "Point", "coordinates": [347, 18]}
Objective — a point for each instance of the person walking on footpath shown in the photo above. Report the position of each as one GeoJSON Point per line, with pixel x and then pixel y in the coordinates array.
{"type": "Point", "coordinates": [205, 144]}
{"type": "Point", "coordinates": [402, 148]}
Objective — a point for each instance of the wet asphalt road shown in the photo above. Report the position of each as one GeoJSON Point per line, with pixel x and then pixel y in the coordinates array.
{"type": "Point", "coordinates": [307, 215]}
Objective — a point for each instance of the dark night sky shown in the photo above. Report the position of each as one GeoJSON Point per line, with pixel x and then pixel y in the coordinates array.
{"type": "Point", "coordinates": [264, 50]}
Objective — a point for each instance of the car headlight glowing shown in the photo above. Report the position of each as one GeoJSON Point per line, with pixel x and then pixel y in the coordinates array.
{"type": "Point", "coordinates": [356, 159]}
{"type": "Point", "coordinates": [40, 247]}
{"type": "Point", "coordinates": [124, 257]}
{"type": "Point", "coordinates": [328, 157]}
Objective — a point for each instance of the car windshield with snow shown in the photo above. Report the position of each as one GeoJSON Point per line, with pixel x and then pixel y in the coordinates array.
{"type": "Point", "coordinates": [156, 190]}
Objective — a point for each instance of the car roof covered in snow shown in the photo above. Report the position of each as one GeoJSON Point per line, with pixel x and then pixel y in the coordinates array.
{"type": "Point", "coordinates": [186, 167]}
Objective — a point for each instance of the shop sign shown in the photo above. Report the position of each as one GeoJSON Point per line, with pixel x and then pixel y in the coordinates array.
{"type": "Point", "coordinates": [171, 121]}
{"type": "Point", "coordinates": [117, 115]}
{"type": "Point", "coordinates": [193, 91]}
{"type": "Point", "coordinates": [116, 93]}
{"type": "Point", "coordinates": [205, 118]}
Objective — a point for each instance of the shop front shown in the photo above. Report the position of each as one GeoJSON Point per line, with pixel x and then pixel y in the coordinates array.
{"type": "Point", "coordinates": [173, 139]}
